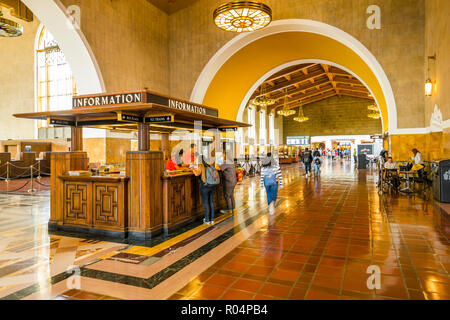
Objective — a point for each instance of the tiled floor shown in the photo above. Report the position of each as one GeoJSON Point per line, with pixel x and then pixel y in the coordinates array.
{"type": "Point", "coordinates": [325, 234]}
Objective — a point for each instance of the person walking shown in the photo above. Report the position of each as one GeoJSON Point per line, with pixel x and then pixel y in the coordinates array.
{"type": "Point", "coordinates": [317, 163]}
{"type": "Point", "coordinates": [209, 179]}
{"type": "Point", "coordinates": [271, 178]}
{"type": "Point", "coordinates": [316, 153]}
{"type": "Point", "coordinates": [307, 159]}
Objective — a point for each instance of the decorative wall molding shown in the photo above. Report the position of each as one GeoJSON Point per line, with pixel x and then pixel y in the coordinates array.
{"type": "Point", "coordinates": [436, 122]}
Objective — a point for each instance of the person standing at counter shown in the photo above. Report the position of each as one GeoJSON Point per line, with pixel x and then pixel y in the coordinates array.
{"type": "Point", "coordinates": [229, 182]}
{"type": "Point", "coordinates": [209, 179]}
{"type": "Point", "coordinates": [191, 155]}
{"type": "Point", "coordinates": [170, 163]}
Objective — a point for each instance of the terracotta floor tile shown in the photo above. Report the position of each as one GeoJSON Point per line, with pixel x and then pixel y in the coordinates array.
{"type": "Point", "coordinates": [285, 274]}
{"type": "Point", "coordinates": [264, 297]}
{"type": "Point", "coordinates": [237, 295]}
{"type": "Point", "coordinates": [247, 285]}
{"type": "Point", "coordinates": [316, 295]}
{"type": "Point", "coordinates": [275, 290]}
{"type": "Point", "coordinates": [208, 292]}
{"type": "Point", "coordinates": [220, 280]}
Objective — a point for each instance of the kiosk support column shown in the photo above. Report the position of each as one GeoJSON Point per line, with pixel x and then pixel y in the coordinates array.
{"type": "Point", "coordinates": [143, 137]}
{"type": "Point", "coordinates": [165, 143]}
{"type": "Point", "coordinates": [77, 139]}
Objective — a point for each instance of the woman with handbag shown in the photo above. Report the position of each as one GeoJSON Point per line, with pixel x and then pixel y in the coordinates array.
{"type": "Point", "coordinates": [270, 178]}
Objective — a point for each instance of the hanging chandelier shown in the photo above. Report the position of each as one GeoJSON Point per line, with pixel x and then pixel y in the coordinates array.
{"type": "Point", "coordinates": [9, 28]}
{"type": "Point", "coordinates": [374, 115]}
{"type": "Point", "coordinates": [374, 112]}
{"type": "Point", "coordinates": [301, 117]}
{"type": "Point", "coordinates": [285, 112]}
{"type": "Point", "coordinates": [262, 101]}
{"type": "Point", "coordinates": [373, 107]}
{"type": "Point", "coordinates": [242, 16]}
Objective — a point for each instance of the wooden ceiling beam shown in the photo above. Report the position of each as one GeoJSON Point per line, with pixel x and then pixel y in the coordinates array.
{"type": "Point", "coordinates": [313, 99]}
{"type": "Point", "coordinates": [290, 71]}
{"type": "Point", "coordinates": [355, 94]}
{"type": "Point", "coordinates": [297, 80]}
{"type": "Point", "coordinates": [290, 103]}
{"type": "Point", "coordinates": [326, 69]}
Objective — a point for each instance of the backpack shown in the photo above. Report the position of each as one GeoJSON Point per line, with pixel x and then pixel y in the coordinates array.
{"type": "Point", "coordinates": [230, 175]}
{"type": "Point", "coordinates": [317, 161]}
{"type": "Point", "coordinates": [307, 157]}
{"type": "Point", "coordinates": [270, 178]}
{"type": "Point", "coordinates": [212, 176]}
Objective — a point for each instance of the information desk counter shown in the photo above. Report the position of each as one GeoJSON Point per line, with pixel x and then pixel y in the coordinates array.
{"type": "Point", "coordinates": [182, 202]}
{"type": "Point", "coordinates": [95, 203]}
{"type": "Point", "coordinates": [99, 204]}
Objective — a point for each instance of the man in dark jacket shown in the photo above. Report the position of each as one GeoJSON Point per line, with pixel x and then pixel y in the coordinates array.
{"type": "Point", "coordinates": [229, 182]}
{"type": "Point", "coordinates": [307, 160]}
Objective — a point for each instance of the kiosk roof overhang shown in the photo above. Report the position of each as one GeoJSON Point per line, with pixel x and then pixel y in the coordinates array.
{"type": "Point", "coordinates": [127, 116]}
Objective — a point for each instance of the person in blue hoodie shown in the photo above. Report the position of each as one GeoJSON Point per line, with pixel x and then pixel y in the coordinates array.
{"type": "Point", "coordinates": [317, 163]}
{"type": "Point", "coordinates": [271, 178]}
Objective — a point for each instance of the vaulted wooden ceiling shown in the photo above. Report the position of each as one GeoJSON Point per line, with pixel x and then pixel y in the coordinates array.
{"type": "Point", "coordinates": [171, 6]}
{"type": "Point", "coordinates": [308, 83]}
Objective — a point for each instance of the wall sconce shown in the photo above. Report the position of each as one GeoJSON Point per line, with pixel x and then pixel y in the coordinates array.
{"type": "Point", "coordinates": [428, 83]}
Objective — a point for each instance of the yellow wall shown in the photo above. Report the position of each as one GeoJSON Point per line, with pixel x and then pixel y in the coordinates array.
{"type": "Point", "coordinates": [431, 145]}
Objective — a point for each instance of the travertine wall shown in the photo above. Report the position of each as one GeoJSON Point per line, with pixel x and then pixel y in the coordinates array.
{"type": "Point", "coordinates": [398, 46]}
{"type": "Point", "coordinates": [129, 40]}
{"type": "Point", "coordinates": [333, 116]}
{"type": "Point", "coordinates": [437, 41]}
{"type": "Point", "coordinates": [17, 81]}
{"type": "Point", "coordinates": [435, 145]}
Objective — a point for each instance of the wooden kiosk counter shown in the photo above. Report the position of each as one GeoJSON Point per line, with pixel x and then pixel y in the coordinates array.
{"type": "Point", "coordinates": [145, 201]}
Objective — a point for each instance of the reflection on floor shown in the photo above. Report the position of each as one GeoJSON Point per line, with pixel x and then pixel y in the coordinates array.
{"type": "Point", "coordinates": [325, 234]}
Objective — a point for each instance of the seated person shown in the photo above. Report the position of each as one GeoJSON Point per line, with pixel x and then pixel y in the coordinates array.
{"type": "Point", "coordinates": [174, 163]}
{"type": "Point", "coordinates": [391, 172]}
{"type": "Point", "coordinates": [389, 164]}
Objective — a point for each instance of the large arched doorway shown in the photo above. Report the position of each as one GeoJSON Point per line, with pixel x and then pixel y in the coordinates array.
{"type": "Point", "coordinates": [237, 69]}
{"type": "Point", "coordinates": [72, 42]}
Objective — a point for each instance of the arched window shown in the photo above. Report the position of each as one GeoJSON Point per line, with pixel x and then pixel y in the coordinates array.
{"type": "Point", "coordinates": [55, 82]}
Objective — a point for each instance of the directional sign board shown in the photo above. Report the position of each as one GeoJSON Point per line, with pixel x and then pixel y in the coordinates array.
{"type": "Point", "coordinates": [160, 119]}
{"type": "Point", "coordinates": [129, 117]}
{"type": "Point", "coordinates": [60, 122]}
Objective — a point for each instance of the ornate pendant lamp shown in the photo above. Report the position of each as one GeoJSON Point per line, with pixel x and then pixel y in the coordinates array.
{"type": "Point", "coordinates": [242, 16]}
{"type": "Point", "coordinates": [285, 112]}
{"type": "Point", "coordinates": [374, 112]}
{"type": "Point", "coordinates": [262, 100]}
{"type": "Point", "coordinates": [301, 116]}
{"type": "Point", "coordinates": [9, 28]}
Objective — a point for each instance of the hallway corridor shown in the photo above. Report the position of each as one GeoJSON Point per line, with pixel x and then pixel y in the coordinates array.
{"type": "Point", "coordinates": [324, 235]}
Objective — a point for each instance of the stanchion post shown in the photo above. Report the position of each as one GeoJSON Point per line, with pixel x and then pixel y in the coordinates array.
{"type": "Point", "coordinates": [32, 180]}
{"type": "Point", "coordinates": [39, 170]}
{"type": "Point", "coordinates": [7, 171]}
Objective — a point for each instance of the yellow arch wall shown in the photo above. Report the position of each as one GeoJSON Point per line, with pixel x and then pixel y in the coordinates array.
{"type": "Point", "coordinates": [235, 78]}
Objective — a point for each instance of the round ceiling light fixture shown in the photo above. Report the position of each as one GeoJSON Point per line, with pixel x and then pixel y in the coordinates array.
{"type": "Point", "coordinates": [9, 28]}
{"type": "Point", "coordinates": [242, 16]}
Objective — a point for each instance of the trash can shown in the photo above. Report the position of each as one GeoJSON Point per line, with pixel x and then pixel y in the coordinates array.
{"type": "Point", "coordinates": [362, 161]}
{"type": "Point", "coordinates": [441, 181]}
